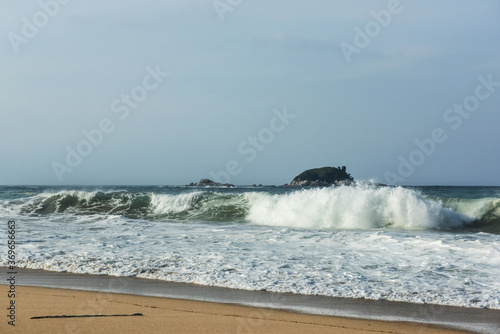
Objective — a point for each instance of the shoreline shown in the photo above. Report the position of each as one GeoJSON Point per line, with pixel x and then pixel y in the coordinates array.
{"type": "Point", "coordinates": [357, 310]}
{"type": "Point", "coordinates": [55, 310]}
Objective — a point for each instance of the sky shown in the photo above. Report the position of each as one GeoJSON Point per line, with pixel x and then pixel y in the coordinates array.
{"type": "Point", "coordinates": [169, 92]}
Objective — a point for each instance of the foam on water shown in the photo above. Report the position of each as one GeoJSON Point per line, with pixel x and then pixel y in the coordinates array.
{"type": "Point", "coordinates": [475, 208]}
{"type": "Point", "coordinates": [423, 267]}
{"type": "Point", "coordinates": [353, 207]}
{"type": "Point", "coordinates": [359, 242]}
{"type": "Point", "coordinates": [165, 204]}
{"type": "Point", "coordinates": [360, 207]}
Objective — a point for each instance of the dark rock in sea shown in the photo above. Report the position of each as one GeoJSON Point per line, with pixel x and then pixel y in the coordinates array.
{"type": "Point", "coordinates": [209, 183]}
{"type": "Point", "coordinates": [322, 177]}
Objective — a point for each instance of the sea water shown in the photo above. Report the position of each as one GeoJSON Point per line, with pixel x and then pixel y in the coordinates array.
{"type": "Point", "coordinates": [438, 245]}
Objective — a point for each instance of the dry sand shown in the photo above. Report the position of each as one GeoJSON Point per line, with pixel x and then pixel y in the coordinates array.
{"type": "Point", "coordinates": [165, 315]}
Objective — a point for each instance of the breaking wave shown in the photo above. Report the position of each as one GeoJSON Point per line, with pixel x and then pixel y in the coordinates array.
{"type": "Point", "coordinates": [346, 207]}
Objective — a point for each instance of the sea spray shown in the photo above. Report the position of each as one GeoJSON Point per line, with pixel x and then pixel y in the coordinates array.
{"type": "Point", "coordinates": [353, 207]}
{"type": "Point", "coordinates": [370, 242]}
{"type": "Point", "coordinates": [346, 207]}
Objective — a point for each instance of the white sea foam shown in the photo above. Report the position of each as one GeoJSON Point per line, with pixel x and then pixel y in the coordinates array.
{"type": "Point", "coordinates": [430, 267]}
{"type": "Point", "coordinates": [360, 207]}
{"type": "Point", "coordinates": [475, 208]}
{"type": "Point", "coordinates": [359, 242]}
{"type": "Point", "coordinates": [166, 204]}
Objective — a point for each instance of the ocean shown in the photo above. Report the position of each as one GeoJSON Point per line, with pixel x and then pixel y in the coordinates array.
{"type": "Point", "coordinates": [435, 245]}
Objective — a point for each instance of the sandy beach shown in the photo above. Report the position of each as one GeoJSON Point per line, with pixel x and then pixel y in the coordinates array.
{"type": "Point", "coordinates": [55, 302]}
{"type": "Point", "coordinates": [115, 314]}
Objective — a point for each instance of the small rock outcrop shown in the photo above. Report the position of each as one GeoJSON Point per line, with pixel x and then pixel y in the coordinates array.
{"type": "Point", "coordinates": [322, 177]}
{"type": "Point", "coordinates": [209, 183]}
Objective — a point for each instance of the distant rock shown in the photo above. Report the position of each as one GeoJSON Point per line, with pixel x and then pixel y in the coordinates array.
{"type": "Point", "coordinates": [322, 177]}
{"type": "Point", "coordinates": [209, 183]}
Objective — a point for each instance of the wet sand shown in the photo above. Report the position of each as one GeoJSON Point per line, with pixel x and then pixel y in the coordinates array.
{"type": "Point", "coordinates": [61, 311]}
{"type": "Point", "coordinates": [110, 303]}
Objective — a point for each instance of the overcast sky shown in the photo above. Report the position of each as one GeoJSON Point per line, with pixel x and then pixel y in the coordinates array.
{"type": "Point", "coordinates": [169, 92]}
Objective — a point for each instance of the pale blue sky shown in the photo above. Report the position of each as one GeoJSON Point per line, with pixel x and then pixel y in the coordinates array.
{"type": "Point", "coordinates": [228, 80]}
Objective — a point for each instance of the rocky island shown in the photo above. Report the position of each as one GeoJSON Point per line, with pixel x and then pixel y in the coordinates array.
{"type": "Point", "coordinates": [322, 177]}
{"type": "Point", "coordinates": [209, 183]}
{"type": "Point", "coordinates": [316, 177]}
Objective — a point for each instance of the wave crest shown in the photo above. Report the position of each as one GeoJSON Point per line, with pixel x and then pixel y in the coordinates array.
{"type": "Point", "coordinates": [346, 207]}
{"type": "Point", "coordinates": [359, 207]}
